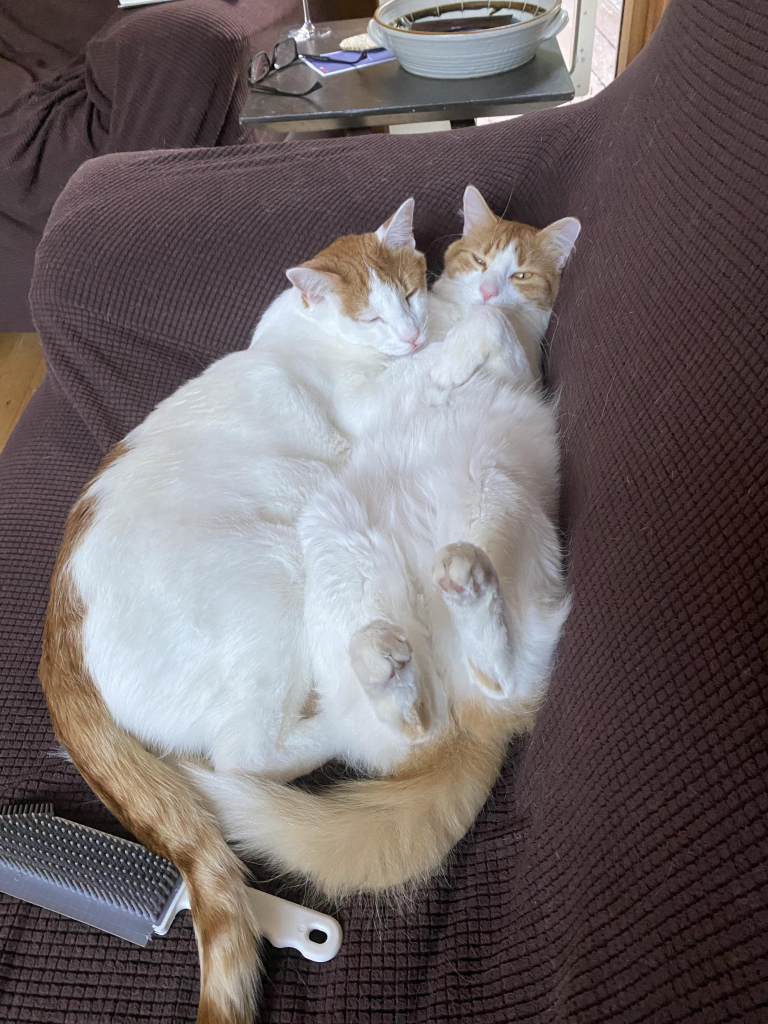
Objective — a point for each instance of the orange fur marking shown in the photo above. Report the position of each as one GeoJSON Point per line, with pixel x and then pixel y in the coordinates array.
{"type": "Point", "coordinates": [534, 253]}
{"type": "Point", "coordinates": [150, 797]}
{"type": "Point", "coordinates": [311, 705]}
{"type": "Point", "coordinates": [484, 679]}
{"type": "Point", "coordinates": [351, 256]}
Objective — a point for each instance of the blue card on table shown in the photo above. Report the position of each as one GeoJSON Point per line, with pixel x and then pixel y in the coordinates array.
{"type": "Point", "coordinates": [344, 60]}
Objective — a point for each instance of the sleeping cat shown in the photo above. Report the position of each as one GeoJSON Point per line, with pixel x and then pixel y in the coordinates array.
{"type": "Point", "coordinates": [175, 617]}
{"type": "Point", "coordinates": [335, 544]}
{"type": "Point", "coordinates": [433, 590]}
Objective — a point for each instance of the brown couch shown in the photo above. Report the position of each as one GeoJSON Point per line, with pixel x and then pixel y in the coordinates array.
{"type": "Point", "coordinates": [81, 79]}
{"type": "Point", "coordinates": [618, 875]}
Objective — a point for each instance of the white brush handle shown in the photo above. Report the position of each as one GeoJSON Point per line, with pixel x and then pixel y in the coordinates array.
{"type": "Point", "coordinates": [282, 922]}
{"type": "Point", "coordinates": [289, 924]}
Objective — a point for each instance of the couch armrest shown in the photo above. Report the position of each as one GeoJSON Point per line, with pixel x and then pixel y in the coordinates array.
{"type": "Point", "coordinates": [177, 71]}
{"type": "Point", "coordinates": [43, 466]}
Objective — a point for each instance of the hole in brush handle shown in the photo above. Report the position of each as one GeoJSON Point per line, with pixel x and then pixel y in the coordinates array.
{"type": "Point", "coordinates": [289, 924]}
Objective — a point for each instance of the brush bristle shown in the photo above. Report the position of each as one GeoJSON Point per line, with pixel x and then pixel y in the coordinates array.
{"type": "Point", "coordinates": [26, 809]}
{"type": "Point", "coordinates": [86, 874]}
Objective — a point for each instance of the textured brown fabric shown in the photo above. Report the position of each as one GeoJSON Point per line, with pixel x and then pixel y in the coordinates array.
{"type": "Point", "coordinates": [618, 873]}
{"type": "Point", "coordinates": [41, 36]}
{"type": "Point", "coordinates": [155, 77]}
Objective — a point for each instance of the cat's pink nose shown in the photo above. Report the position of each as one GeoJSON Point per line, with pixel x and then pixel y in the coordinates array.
{"type": "Point", "coordinates": [488, 291]}
{"type": "Point", "coordinates": [412, 337]}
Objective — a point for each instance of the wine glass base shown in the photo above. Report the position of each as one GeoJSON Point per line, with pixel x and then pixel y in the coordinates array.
{"type": "Point", "coordinates": [309, 31]}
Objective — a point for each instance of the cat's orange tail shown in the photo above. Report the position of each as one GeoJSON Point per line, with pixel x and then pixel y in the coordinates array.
{"type": "Point", "coordinates": [155, 801]}
{"type": "Point", "coordinates": [370, 835]}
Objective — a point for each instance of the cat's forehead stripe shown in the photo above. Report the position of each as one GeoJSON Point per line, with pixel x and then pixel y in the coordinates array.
{"type": "Point", "coordinates": [506, 234]}
{"type": "Point", "coordinates": [353, 257]}
{"type": "Point", "coordinates": [526, 242]}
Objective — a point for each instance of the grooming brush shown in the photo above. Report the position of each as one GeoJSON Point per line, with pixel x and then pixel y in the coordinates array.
{"type": "Point", "coordinates": [121, 888]}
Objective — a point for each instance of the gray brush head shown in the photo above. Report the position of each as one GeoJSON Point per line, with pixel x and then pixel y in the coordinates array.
{"type": "Point", "coordinates": [110, 883]}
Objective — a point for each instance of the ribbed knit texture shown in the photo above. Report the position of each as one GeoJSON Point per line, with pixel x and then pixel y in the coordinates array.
{"type": "Point", "coordinates": [156, 77]}
{"type": "Point", "coordinates": [618, 874]}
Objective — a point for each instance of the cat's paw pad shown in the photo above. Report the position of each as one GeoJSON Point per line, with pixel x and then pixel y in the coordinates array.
{"type": "Point", "coordinates": [381, 657]}
{"type": "Point", "coordinates": [379, 651]}
{"type": "Point", "coordinates": [463, 573]}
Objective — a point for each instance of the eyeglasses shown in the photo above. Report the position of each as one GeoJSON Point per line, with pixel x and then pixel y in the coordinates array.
{"type": "Point", "coordinates": [285, 53]}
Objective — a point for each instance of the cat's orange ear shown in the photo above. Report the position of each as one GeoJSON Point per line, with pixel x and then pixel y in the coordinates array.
{"type": "Point", "coordinates": [561, 237]}
{"type": "Point", "coordinates": [477, 213]}
{"type": "Point", "coordinates": [313, 284]}
{"type": "Point", "coordinates": [397, 230]}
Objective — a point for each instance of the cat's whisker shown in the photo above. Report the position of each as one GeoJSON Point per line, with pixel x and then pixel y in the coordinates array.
{"type": "Point", "coordinates": [441, 238]}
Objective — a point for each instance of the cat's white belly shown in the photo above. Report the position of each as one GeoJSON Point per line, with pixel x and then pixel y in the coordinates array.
{"type": "Point", "coordinates": [193, 654]}
{"type": "Point", "coordinates": [209, 657]}
{"type": "Point", "coordinates": [190, 576]}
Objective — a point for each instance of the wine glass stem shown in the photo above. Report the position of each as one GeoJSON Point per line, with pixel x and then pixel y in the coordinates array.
{"type": "Point", "coordinates": [307, 17]}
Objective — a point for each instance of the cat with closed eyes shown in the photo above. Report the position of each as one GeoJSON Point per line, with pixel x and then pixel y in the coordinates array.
{"type": "Point", "coordinates": [336, 544]}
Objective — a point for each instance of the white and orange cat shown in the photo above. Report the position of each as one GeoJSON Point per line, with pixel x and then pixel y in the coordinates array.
{"type": "Point", "coordinates": [335, 544]}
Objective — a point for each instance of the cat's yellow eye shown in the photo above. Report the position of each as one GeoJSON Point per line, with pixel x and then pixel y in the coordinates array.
{"type": "Point", "coordinates": [522, 275]}
{"type": "Point", "coordinates": [478, 261]}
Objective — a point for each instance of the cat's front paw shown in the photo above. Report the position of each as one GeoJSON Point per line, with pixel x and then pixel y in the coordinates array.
{"type": "Point", "coordinates": [464, 573]}
{"type": "Point", "coordinates": [382, 659]}
{"type": "Point", "coordinates": [436, 395]}
{"type": "Point", "coordinates": [462, 354]}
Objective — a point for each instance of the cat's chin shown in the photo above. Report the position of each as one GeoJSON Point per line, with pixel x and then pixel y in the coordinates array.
{"type": "Point", "coordinates": [402, 352]}
{"type": "Point", "coordinates": [495, 303]}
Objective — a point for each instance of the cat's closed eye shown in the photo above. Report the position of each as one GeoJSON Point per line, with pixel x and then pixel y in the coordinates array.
{"type": "Point", "coordinates": [478, 261]}
{"type": "Point", "coordinates": [522, 275]}
{"type": "Point", "coordinates": [411, 294]}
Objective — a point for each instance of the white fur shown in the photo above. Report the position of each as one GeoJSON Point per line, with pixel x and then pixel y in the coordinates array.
{"type": "Point", "coordinates": [280, 526]}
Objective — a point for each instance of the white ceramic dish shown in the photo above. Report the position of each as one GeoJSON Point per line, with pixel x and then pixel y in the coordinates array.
{"type": "Point", "coordinates": [465, 54]}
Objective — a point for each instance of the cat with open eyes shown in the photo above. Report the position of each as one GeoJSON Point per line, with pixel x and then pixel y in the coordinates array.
{"type": "Point", "coordinates": [336, 544]}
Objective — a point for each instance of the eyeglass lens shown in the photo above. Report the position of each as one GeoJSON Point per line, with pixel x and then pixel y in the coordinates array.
{"type": "Point", "coordinates": [259, 68]}
{"type": "Point", "coordinates": [285, 53]}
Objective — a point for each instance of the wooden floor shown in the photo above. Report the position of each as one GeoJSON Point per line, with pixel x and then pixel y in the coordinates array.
{"type": "Point", "coordinates": [22, 368]}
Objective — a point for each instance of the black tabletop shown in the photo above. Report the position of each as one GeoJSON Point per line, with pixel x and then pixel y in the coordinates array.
{"type": "Point", "coordinates": [386, 94]}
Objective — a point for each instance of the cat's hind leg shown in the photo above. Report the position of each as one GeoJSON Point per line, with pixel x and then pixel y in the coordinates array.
{"type": "Point", "coordinates": [382, 659]}
{"type": "Point", "coordinates": [470, 587]}
{"type": "Point", "coordinates": [360, 619]}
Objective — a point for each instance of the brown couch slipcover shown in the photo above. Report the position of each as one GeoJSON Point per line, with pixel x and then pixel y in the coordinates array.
{"type": "Point", "coordinates": [618, 873]}
{"type": "Point", "coordinates": [153, 77]}
{"type": "Point", "coordinates": [37, 37]}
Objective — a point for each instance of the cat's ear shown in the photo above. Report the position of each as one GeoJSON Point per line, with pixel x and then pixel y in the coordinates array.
{"type": "Point", "coordinates": [314, 285]}
{"type": "Point", "coordinates": [561, 236]}
{"type": "Point", "coordinates": [477, 213]}
{"type": "Point", "coordinates": [397, 231]}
